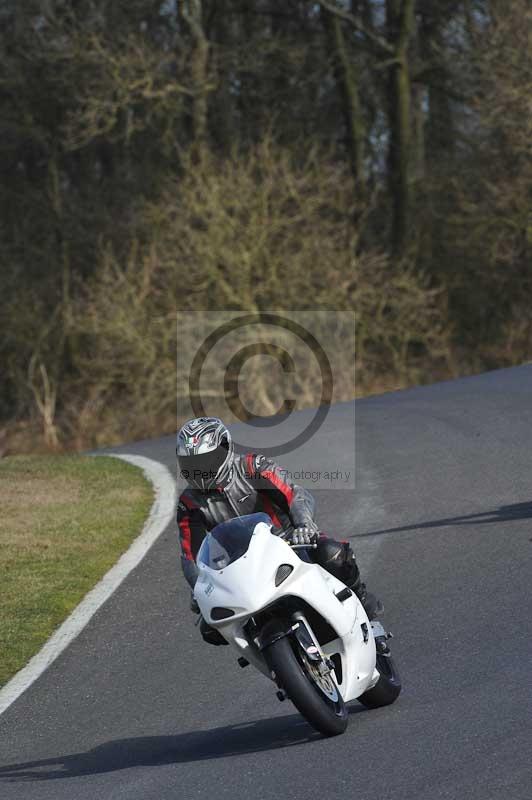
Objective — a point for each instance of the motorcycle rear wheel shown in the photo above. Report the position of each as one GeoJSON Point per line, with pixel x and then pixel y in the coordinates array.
{"type": "Point", "coordinates": [324, 709]}
{"type": "Point", "coordinates": [388, 687]}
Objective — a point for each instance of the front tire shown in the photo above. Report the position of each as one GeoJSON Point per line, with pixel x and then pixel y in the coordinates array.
{"type": "Point", "coordinates": [388, 687]}
{"type": "Point", "coordinates": [327, 715]}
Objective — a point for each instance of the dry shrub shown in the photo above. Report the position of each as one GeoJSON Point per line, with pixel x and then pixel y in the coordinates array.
{"type": "Point", "coordinates": [491, 227]}
{"type": "Point", "coordinates": [124, 326]}
{"type": "Point", "coordinates": [402, 331]}
{"type": "Point", "coordinates": [260, 231]}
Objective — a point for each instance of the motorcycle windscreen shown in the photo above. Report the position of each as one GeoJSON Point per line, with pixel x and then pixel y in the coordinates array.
{"type": "Point", "coordinates": [229, 541]}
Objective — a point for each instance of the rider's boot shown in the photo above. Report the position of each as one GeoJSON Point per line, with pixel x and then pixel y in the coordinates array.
{"type": "Point", "coordinates": [371, 604]}
{"type": "Point", "coordinates": [339, 559]}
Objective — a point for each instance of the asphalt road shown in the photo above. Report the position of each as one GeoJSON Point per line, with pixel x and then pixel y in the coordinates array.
{"type": "Point", "coordinates": [139, 708]}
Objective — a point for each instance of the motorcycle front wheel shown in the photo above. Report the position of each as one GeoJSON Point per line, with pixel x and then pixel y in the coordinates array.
{"type": "Point", "coordinates": [315, 696]}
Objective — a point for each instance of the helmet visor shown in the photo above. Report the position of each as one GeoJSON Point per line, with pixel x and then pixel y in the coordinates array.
{"type": "Point", "coordinates": [202, 469]}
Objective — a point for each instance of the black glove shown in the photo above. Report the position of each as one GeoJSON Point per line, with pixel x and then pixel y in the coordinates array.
{"type": "Point", "coordinates": [304, 535]}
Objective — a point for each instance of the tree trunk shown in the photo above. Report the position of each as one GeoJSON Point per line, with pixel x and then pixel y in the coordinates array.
{"type": "Point", "coordinates": [440, 133]}
{"type": "Point", "coordinates": [400, 24]}
{"type": "Point", "coordinates": [439, 129]}
{"type": "Point", "coordinates": [221, 106]}
{"type": "Point", "coordinates": [346, 75]}
{"type": "Point", "coordinates": [192, 13]}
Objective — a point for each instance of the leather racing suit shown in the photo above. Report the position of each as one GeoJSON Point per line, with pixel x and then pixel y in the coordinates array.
{"type": "Point", "coordinates": [258, 484]}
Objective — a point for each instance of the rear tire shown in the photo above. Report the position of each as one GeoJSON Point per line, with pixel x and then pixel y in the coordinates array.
{"type": "Point", "coordinates": [388, 687]}
{"type": "Point", "coordinates": [327, 717]}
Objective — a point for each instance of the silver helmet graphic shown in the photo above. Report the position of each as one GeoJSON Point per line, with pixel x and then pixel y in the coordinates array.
{"type": "Point", "coordinates": [205, 453]}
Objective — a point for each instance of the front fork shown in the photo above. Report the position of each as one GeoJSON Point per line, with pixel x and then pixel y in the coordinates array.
{"type": "Point", "coordinates": [303, 634]}
{"type": "Point", "coordinates": [306, 639]}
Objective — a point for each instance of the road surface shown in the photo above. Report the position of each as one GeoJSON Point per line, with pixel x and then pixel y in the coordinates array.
{"type": "Point", "coordinates": [138, 707]}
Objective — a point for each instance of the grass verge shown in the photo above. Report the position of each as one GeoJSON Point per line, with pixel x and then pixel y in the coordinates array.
{"type": "Point", "coordinates": [64, 521]}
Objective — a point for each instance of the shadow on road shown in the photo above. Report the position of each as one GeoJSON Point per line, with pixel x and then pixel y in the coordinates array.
{"type": "Point", "coordinates": [501, 514]}
{"type": "Point", "coordinates": [152, 751]}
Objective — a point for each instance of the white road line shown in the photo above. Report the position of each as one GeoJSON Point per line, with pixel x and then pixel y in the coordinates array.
{"type": "Point", "coordinates": [161, 513]}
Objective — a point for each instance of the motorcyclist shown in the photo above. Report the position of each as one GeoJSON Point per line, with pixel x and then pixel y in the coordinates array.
{"type": "Point", "coordinates": [223, 485]}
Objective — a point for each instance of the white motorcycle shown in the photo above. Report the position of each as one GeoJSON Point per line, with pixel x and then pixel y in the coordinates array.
{"type": "Point", "coordinates": [300, 626]}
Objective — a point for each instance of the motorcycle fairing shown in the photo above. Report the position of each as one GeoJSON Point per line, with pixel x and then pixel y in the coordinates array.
{"type": "Point", "coordinates": [247, 586]}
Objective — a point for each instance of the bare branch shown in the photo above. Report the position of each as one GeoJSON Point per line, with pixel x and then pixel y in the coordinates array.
{"type": "Point", "coordinates": [356, 22]}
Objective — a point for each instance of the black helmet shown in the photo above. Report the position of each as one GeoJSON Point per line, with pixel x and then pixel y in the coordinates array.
{"type": "Point", "coordinates": [205, 453]}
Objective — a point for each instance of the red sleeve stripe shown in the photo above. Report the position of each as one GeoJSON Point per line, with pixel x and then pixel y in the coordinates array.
{"type": "Point", "coordinates": [249, 464]}
{"type": "Point", "coordinates": [269, 509]}
{"type": "Point", "coordinates": [283, 487]}
{"type": "Point", "coordinates": [186, 538]}
{"type": "Point", "coordinates": [189, 503]}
